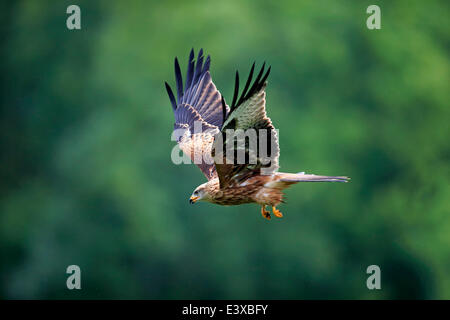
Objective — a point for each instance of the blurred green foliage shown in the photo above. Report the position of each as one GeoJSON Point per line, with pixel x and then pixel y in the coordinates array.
{"type": "Point", "coordinates": [86, 176]}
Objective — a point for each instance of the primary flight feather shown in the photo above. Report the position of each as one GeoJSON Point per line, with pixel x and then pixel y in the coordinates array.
{"type": "Point", "coordinates": [208, 131]}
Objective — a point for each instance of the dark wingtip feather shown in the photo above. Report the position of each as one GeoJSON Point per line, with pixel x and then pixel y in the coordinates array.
{"type": "Point", "coordinates": [179, 80]}
{"type": "Point", "coordinates": [256, 84]}
{"type": "Point", "coordinates": [190, 69]}
{"type": "Point", "coordinates": [236, 90]}
{"type": "Point", "coordinates": [207, 63]}
{"type": "Point", "coordinates": [224, 110]}
{"type": "Point", "coordinates": [266, 75]}
{"type": "Point", "coordinates": [171, 96]}
{"type": "Point", "coordinates": [247, 84]}
{"type": "Point", "coordinates": [199, 66]}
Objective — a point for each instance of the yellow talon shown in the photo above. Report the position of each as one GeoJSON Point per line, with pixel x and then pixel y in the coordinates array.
{"type": "Point", "coordinates": [277, 212]}
{"type": "Point", "coordinates": [265, 213]}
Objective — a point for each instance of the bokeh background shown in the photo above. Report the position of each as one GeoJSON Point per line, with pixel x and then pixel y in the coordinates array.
{"type": "Point", "coordinates": [86, 176]}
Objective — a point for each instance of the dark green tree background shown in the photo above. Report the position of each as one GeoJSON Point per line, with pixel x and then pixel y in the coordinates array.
{"type": "Point", "coordinates": [86, 176]}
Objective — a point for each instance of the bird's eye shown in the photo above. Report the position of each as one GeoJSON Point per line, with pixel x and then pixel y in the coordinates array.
{"type": "Point", "coordinates": [195, 193]}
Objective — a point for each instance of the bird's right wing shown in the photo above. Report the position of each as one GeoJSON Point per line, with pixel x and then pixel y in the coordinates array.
{"type": "Point", "coordinates": [198, 112]}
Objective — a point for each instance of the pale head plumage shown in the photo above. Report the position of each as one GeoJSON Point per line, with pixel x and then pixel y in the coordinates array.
{"type": "Point", "coordinates": [206, 191]}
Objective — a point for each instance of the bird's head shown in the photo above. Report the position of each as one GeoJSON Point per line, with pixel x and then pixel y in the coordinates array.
{"type": "Point", "coordinates": [201, 193]}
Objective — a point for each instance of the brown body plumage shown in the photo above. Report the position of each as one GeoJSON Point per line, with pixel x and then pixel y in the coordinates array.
{"type": "Point", "coordinates": [249, 191]}
{"type": "Point", "coordinates": [200, 105]}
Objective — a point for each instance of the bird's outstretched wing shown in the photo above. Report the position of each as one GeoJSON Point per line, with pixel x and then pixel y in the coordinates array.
{"type": "Point", "coordinates": [198, 112]}
{"type": "Point", "coordinates": [247, 113]}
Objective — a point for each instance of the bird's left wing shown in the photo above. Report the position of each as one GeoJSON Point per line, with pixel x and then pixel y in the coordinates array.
{"type": "Point", "coordinates": [248, 113]}
{"type": "Point", "coordinates": [198, 112]}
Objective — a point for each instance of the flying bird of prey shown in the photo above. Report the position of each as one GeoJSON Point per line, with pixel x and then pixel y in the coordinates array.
{"type": "Point", "coordinates": [199, 105]}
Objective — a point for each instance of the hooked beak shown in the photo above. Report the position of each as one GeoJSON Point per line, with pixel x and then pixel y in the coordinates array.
{"type": "Point", "coordinates": [193, 199]}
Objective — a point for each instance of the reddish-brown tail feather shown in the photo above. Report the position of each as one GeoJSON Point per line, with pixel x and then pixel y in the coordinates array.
{"type": "Point", "coordinates": [284, 180]}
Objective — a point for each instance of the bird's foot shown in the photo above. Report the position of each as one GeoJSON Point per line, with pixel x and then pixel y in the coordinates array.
{"type": "Point", "coordinates": [265, 213]}
{"type": "Point", "coordinates": [277, 212]}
